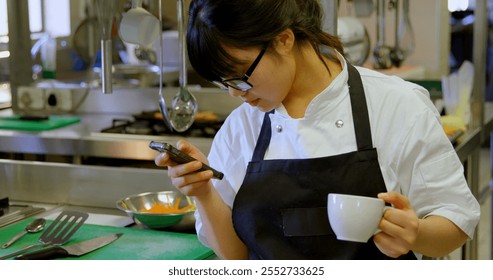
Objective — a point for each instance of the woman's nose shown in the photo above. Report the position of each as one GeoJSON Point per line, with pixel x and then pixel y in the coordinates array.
{"type": "Point", "coordinates": [236, 93]}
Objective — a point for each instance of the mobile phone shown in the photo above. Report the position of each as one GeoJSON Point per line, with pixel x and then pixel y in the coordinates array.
{"type": "Point", "coordinates": [180, 157]}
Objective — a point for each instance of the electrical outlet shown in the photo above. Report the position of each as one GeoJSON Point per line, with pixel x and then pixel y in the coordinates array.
{"type": "Point", "coordinates": [30, 98]}
{"type": "Point", "coordinates": [58, 99]}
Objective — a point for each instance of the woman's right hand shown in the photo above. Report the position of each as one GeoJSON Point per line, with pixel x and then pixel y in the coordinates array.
{"type": "Point", "coordinates": [185, 176]}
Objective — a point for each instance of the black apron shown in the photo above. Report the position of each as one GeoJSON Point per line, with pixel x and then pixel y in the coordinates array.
{"type": "Point", "coordinates": [280, 211]}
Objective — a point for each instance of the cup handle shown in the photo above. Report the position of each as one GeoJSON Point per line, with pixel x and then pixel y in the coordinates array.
{"type": "Point", "coordinates": [383, 212]}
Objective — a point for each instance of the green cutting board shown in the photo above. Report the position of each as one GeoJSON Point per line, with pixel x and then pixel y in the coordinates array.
{"type": "Point", "coordinates": [16, 123]}
{"type": "Point", "coordinates": [134, 244]}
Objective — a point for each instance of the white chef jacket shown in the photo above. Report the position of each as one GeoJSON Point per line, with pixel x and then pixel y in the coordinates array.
{"type": "Point", "coordinates": [415, 156]}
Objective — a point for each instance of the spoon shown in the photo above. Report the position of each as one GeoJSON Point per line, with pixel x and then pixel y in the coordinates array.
{"type": "Point", "coordinates": [35, 226]}
{"type": "Point", "coordinates": [184, 104]}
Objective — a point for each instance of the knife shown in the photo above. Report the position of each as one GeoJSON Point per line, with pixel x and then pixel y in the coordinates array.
{"type": "Point", "coordinates": [77, 250]}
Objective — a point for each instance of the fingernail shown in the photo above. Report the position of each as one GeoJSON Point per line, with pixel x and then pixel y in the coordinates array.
{"type": "Point", "coordinates": [382, 195]}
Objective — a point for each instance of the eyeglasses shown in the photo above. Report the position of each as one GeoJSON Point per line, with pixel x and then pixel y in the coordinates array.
{"type": "Point", "coordinates": [242, 82]}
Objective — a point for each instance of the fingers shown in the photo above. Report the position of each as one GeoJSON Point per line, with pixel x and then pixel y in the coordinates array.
{"type": "Point", "coordinates": [397, 200]}
{"type": "Point", "coordinates": [399, 226]}
{"type": "Point", "coordinates": [191, 150]}
{"type": "Point", "coordinates": [186, 177]}
{"type": "Point", "coordinates": [184, 169]}
{"type": "Point", "coordinates": [399, 220]}
{"type": "Point", "coordinates": [190, 179]}
{"type": "Point", "coordinates": [162, 159]}
{"type": "Point", "coordinates": [389, 245]}
{"type": "Point", "coordinates": [184, 146]}
{"type": "Point", "coordinates": [190, 183]}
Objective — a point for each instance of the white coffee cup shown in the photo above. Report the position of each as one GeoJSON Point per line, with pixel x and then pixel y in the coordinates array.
{"type": "Point", "coordinates": [138, 26]}
{"type": "Point", "coordinates": [354, 218]}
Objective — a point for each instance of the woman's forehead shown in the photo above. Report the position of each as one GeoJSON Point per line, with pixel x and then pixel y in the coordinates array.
{"type": "Point", "coordinates": [243, 55]}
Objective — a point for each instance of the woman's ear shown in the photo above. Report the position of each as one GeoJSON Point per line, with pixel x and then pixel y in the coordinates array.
{"type": "Point", "coordinates": [284, 41]}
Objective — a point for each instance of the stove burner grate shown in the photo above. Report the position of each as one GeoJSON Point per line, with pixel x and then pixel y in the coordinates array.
{"type": "Point", "coordinates": [145, 124]}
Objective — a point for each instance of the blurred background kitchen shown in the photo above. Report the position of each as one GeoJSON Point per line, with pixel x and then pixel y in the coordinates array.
{"type": "Point", "coordinates": [79, 104]}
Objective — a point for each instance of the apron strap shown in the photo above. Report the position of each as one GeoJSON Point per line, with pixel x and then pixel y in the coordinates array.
{"type": "Point", "coordinates": [360, 109]}
{"type": "Point", "coordinates": [263, 140]}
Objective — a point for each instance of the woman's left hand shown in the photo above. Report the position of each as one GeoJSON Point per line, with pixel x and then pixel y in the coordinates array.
{"type": "Point", "coordinates": [399, 226]}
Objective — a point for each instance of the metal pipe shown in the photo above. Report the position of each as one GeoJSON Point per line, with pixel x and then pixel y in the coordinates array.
{"type": "Point", "coordinates": [106, 66]}
{"type": "Point", "coordinates": [105, 12]}
{"type": "Point", "coordinates": [20, 61]}
{"type": "Point", "coordinates": [330, 9]}
{"type": "Point", "coordinates": [480, 41]}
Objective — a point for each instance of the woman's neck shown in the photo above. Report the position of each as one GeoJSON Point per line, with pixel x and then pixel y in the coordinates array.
{"type": "Point", "coordinates": [311, 78]}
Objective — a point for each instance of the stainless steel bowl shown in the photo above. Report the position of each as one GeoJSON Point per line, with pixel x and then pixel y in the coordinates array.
{"type": "Point", "coordinates": [136, 205]}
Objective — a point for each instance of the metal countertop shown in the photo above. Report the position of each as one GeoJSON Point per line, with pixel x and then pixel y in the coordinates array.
{"type": "Point", "coordinates": [84, 139]}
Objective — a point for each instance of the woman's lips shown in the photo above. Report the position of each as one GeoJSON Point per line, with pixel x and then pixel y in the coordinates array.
{"type": "Point", "coordinates": [253, 102]}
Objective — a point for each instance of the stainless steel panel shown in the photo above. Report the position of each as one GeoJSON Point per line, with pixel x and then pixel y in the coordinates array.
{"type": "Point", "coordinates": [92, 186]}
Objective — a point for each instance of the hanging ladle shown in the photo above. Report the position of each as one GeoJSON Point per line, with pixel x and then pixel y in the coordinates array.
{"type": "Point", "coordinates": [184, 105]}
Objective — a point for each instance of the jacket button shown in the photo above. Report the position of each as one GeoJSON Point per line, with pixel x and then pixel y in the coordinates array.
{"type": "Point", "coordinates": [339, 123]}
{"type": "Point", "coordinates": [279, 128]}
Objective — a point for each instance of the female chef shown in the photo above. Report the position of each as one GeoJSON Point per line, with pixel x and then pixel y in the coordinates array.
{"type": "Point", "coordinates": [313, 124]}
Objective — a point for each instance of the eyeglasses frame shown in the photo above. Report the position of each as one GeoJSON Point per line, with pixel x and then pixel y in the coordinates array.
{"type": "Point", "coordinates": [227, 83]}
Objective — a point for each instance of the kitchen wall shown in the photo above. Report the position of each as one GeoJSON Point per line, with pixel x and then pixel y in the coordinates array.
{"type": "Point", "coordinates": [429, 18]}
{"type": "Point", "coordinates": [430, 22]}
{"type": "Point", "coordinates": [169, 9]}
{"type": "Point", "coordinates": [78, 9]}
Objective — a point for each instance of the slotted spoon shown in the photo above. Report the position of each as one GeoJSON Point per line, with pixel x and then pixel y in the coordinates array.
{"type": "Point", "coordinates": [59, 231]}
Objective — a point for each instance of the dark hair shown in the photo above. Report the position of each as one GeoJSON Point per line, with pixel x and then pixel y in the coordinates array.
{"type": "Point", "coordinates": [214, 24]}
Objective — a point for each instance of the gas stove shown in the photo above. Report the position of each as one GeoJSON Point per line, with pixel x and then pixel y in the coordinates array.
{"type": "Point", "coordinates": [149, 123]}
